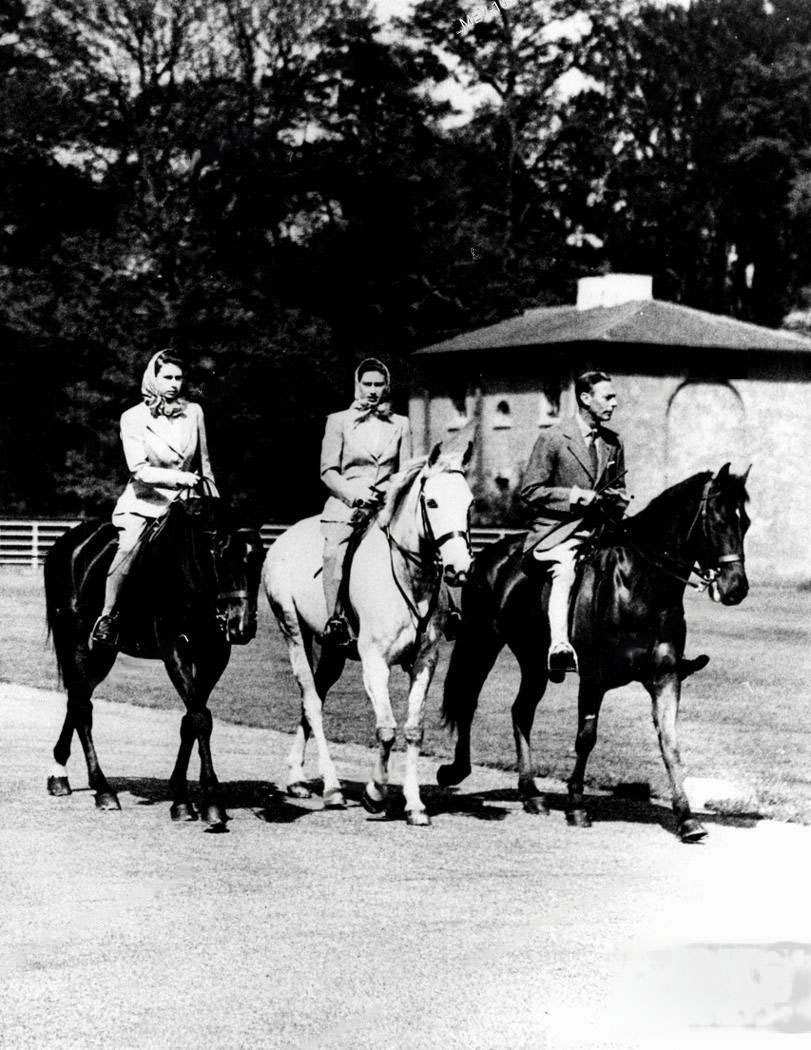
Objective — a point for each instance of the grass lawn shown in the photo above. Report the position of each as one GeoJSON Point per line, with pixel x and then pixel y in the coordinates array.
{"type": "Point", "coordinates": [745, 718]}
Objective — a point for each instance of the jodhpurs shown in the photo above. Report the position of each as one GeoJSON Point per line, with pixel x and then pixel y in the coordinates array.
{"type": "Point", "coordinates": [336, 537]}
{"type": "Point", "coordinates": [131, 528]}
{"type": "Point", "coordinates": [561, 562]}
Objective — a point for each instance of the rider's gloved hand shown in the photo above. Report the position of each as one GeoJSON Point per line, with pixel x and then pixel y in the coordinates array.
{"type": "Point", "coordinates": [366, 496]}
{"type": "Point", "coordinates": [187, 479]}
{"type": "Point", "coordinates": [583, 497]}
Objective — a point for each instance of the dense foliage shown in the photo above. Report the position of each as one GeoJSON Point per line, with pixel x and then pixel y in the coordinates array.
{"type": "Point", "coordinates": [275, 187]}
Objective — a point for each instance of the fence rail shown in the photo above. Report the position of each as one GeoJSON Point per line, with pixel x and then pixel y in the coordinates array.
{"type": "Point", "coordinates": [26, 541]}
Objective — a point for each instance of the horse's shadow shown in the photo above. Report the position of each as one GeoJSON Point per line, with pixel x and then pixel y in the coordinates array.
{"type": "Point", "coordinates": [262, 797]}
{"type": "Point", "coordinates": [269, 803]}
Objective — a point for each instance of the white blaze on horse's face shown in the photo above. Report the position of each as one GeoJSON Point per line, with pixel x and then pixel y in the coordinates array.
{"type": "Point", "coordinates": [446, 501]}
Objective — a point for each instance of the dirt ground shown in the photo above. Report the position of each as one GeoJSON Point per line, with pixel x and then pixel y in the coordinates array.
{"type": "Point", "coordinates": [300, 928]}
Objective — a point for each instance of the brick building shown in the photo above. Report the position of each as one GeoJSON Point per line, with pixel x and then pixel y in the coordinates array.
{"type": "Point", "coordinates": [695, 390]}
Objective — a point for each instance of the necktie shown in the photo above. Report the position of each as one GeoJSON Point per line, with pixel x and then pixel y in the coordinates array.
{"type": "Point", "coordinates": [595, 460]}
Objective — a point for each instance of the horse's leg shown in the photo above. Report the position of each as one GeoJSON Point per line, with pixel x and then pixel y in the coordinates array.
{"type": "Point", "coordinates": [376, 681]}
{"type": "Point", "coordinates": [422, 672]}
{"type": "Point", "coordinates": [194, 673]}
{"type": "Point", "coordinates": [303, 642]}
{"type": "Point", "coordinates": [82, 678]}
{"type": "Point", "coordinates": [328, 671]}
{"type": "Point", "coordinates": [665, 693]}
{"type": "Point", "coordinates": [471, 661]}
{"type": "Point", "coordinates": [81, 706]}
{"type": "Point", "coordinates": [589, 699]}
{"type": "Point", "coordinates": [534, 679]}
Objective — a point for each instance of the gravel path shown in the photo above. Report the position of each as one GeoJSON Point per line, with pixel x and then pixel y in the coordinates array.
{"type": "Point", "coordinates": [492, 930]}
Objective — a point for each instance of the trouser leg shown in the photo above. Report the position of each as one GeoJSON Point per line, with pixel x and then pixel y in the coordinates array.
{"type": "Point", "coordinates": [561, 565]}
{"type": "Point", "coordinates": [336, 538]}
{"type": "Point", "coordinates": [130, 530]}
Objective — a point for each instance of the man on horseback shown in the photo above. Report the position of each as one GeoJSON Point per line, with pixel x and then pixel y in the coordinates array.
{"type": "Point", "coordinates": [165, 446]}
{"type": "Point", "coordinates": [575, 470]}
{"type": "Point", "coordinates": [362, 448]}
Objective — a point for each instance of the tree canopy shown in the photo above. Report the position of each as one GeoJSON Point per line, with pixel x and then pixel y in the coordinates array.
{"type": "Point", "coordinates": [278, 188]}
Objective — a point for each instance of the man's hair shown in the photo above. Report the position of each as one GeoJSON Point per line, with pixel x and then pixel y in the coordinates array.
{"type": "Point", "coordinates": [585, 383]}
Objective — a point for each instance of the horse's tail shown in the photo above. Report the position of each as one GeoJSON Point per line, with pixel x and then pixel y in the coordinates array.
{"type": "Point", "coordinates": [61, 587]}
{"type": "Point", "coordinates": [472, 659]}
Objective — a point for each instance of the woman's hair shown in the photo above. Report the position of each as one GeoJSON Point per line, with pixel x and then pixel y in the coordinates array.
{"type": "Point", "coordinates": [371, 364]}
{"type": "Point", "coordinates": [169, 357]}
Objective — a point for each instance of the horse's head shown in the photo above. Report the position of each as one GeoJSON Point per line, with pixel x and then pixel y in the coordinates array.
{"type": "Point", "coordinates": [724, 522]}
{"type": "Point", "coordinates": [445, 501]}
{"type": "Point", "coordinates": [238, 556]}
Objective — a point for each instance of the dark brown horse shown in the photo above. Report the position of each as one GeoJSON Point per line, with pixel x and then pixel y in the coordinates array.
{"type": "Point", "coordinates": [627, 625]}
{"type": "Point", "coordinates": [189, 596]}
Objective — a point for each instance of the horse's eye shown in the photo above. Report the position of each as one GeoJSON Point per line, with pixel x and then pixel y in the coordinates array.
{"type": "Point", "coordinates": [431, 504]}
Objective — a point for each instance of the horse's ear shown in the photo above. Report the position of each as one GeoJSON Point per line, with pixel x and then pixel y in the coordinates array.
{"type": "Point", "coordinates": [723, 473]}
{"type": "Point", "coordinates": [745, 475]}
{"type": "Point", "coordinates": [435, 452]}
{"type": "Point", "coordinates": [466, 458]}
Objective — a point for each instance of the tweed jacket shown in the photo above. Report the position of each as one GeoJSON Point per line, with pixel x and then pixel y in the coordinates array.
{"type": "Point", "coordinates": [367, 451]}
{"type": "Point", "coordinates": [559, 461]}
{"type": "Point", "coordinates": [156, 450]}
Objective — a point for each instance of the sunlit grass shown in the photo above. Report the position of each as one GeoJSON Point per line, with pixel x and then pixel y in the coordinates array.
{"type": "Point", "coordinates": [745, 718]}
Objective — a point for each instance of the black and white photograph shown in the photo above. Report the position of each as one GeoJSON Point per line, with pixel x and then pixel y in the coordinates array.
{"type": "Point", "coordinates": [405, 524]}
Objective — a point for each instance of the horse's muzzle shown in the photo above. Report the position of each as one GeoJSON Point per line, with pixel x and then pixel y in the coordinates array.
{"type": "Point", "coordinates": [732, 586]}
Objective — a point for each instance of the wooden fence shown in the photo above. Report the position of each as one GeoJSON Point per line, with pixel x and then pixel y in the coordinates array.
{"type": "Point", "coordinates": [26, 541]}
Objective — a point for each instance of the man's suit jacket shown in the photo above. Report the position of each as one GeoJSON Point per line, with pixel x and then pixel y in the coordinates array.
{"type": "Point", "coordinates": [369, 450]}
{"type": "Point", "coordinates": [559, 461]}
{"type": "Point", "coordinates": [156, 449]}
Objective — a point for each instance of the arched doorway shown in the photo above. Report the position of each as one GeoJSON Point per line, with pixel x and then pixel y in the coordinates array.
{"type": "Point", "coordinates": [706, 427]}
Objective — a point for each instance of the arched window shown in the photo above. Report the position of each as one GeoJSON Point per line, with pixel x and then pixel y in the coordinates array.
{"type": "Point", "coordinates": [706, 427]}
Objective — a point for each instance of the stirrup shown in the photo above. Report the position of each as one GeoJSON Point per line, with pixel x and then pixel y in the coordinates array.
{"type": "Point", "coordinates": [560, 661]}
{"type": "Point", "coordinates": [105, 632]}
{"type": "Point", "coordinates": [336, 632]}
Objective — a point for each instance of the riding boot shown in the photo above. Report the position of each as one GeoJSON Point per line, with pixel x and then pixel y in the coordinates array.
{"type": "Point", "coordinates": [105, 629]}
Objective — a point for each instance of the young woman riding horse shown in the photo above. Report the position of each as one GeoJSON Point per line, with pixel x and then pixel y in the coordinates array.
{"type": "Point", "coordinates": [177, 586]}
{"type": "Point", "coordinates": [416, 543]}
{"type": "Point", "coordinates": [627, 625]}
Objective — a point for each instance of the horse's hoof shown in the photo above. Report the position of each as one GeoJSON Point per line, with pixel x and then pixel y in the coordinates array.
{"type": "Point", "coordinates": [107, 800]}
{"type": "Point", "coordinates": [217, 828]}
{"type": "Point", "coordinates": [183, 811]}
{"type": "Point", "coordinates": [450, 775]}
{"type": "Point", "coordinates": [334, 799]}
{"type": "Point", "coordinates": [692, 831]}
{"type": "Point", "coordinates": [417, 818]}
{"type": "Point", "coordinates": [372, 805]}
{"type": "Point", "coordinates": [536, 805]}
{"type": "Point", "coordinates": [58, 787]}
{"type": "Point", "coordinates": [298, 790]}
{"type": "Point", "coordinates": [578, 818]}
{"type": "Point", "coordinates": [214, 814]}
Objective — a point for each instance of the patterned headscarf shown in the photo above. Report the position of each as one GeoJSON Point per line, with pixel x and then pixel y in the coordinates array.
{"type": "Point", "coordinates": [363, 410]}
{"type": "Point", "coordinates": [154, 400]}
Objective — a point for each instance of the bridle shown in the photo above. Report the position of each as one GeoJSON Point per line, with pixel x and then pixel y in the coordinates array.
{"type": "Point", "coordinates": [433, 563]}
{"type": "Point", "coordinates": [707, 576]}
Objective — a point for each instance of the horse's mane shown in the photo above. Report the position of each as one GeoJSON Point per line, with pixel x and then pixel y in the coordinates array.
{"type": "Point", "coordinates": [660, 508]}
{"type": "Point", "coordinates": [400, 484]}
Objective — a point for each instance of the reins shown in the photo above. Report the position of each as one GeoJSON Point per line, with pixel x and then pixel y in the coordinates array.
{"type": "Point", "coordinates": [706, 576]}
{"type": "Point", "coordinates": [418, 559]}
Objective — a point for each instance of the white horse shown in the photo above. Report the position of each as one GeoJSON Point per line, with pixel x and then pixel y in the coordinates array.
{"type": "Point", "coordinates": [395, 591]}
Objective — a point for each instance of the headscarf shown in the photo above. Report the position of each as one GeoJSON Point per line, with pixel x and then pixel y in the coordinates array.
{"type": "Point", "coordinates": [362, 408]}
{"type": "Point", "coordinates": [154, 400]}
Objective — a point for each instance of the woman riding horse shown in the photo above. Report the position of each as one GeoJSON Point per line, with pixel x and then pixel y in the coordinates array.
{"type": "Point", "coordinates": [362, 448]}
{"type": "Point", "coordinates": [165, 446]}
